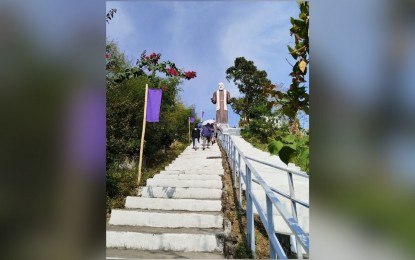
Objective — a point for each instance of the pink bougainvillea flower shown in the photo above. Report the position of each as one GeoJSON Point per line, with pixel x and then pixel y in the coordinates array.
{"type": "Point", "coordinates": [190, 74]}
{"type": "Point", "coordinates": [154, 57]}
{"type": "Point", "coordinates": [172, 71]}
{"type": "Point", "coordinates": [107, 55]}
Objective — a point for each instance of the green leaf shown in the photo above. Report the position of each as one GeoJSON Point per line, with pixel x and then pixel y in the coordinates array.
{"type": "Point", "coordinates": [289, 138]}
{"type": "Point", "coordinates": [275, 146]}
{"type": "Point", "coordinates": [292, 52]}
{"type": "Point", "coordinates": [304, 7]}
{"type": "Point", "coordinates": [304, 160]}
{"type": "Point", "coordinates": [292, 20]}
{"type": "Point", "coordinates": [286, 153]}
{"type": "Point", "coordinates": [279, 94]}
{"type": "Point", "coordinates": [304, 156]}
{"type": "Point", "coordinates": [288, 111]}
{"type": "Point", "coordinates": [303, 16]}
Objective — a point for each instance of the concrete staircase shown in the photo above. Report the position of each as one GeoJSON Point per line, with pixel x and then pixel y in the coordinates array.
{"type": "Point", "coordinates": [177, 215]}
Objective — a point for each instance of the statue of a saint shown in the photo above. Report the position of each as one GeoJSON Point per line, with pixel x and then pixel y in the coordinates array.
{"type": "Point", "coordinates": [221, 98]}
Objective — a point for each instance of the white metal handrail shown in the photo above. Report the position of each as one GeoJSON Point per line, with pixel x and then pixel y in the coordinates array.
{"type": "Point", "coordinates": [271, 199]}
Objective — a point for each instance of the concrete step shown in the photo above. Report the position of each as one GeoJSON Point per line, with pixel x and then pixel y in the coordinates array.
{"type": "Point", "coordinates": [163, 242]}
{"type": "Point", "coordinates": [211, 184]}
{"type": "Point", "coordinates": [180, 193]}
{"type": "Point", "coordinates": [178, 213]}
{"type": "Point", "coordinates": [194, 165]}
{"type": "Point", "coordinates": [173, 204]}
{"type": "Point", "coordinates": [159, 230]}
{"type": "Point", "coordinates": [167, 220]}
{"type": "Point", "coordinates": [212, 158]}
{"type": "Point", "coordinates": [200, 160]}
{"type": "Point", "coordinates": [194, 171]}
{"type": "Point", "coordinates": [173, 176]}
{"type": "Point", "coordinates": [130, 254]}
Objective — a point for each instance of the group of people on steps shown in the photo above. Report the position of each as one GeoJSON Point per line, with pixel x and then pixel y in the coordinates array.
{"type": "Point", "coordinates": [208, 133]}
{"type": "Point", "coordinates": [221, 98]}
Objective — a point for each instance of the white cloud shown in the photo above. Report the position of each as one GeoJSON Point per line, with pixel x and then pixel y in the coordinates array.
{"type": "Point", "coordinates": [259, 33]}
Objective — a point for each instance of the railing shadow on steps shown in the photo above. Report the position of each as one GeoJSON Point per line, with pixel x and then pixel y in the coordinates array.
{"type": "Point", "coordinates": [235, 157]}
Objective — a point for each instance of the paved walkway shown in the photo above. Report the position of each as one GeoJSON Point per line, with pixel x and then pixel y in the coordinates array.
{"type": "Point", "coordinates": [176, 215]}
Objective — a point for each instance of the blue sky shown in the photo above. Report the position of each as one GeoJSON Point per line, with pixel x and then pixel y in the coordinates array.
{"type": "Point", "coordinates": [206, 37]}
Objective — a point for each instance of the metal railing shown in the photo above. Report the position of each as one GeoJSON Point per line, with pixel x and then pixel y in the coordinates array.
{"type": "Point", "coordinates": [235, 157]}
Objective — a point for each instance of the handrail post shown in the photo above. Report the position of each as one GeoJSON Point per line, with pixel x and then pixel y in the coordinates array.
{"type": "Point", "coordinates": [229, 144]}
{"type": "Point", "coordinates": [240, 180]}
{"type": "Point", "coordinates": [294, 211]}
{"type": "Point", "coordinates": [249, 211]}
{"type": "Point", "coordinates": [226, 143]}
{"type": "Point", "coordinates": [227, 150]}
{"type": "Point", "coordinates": [271, 229]}
{"type": "Point", "coordinates": [234, 166]}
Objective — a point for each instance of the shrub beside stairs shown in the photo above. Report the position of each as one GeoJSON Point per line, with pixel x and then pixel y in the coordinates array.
{"type": "Point", "coordinates": [176, 215]}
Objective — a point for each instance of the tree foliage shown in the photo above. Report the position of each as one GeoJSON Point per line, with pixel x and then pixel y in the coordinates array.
{"type": "Point", "coordinates": [125, 91]}
{"type": "Point", "coordinates": [291, 148]}
{"type": "Point", "coordinates": [110, 14]}
{"type": "Point", "coordinates": [292, 145]}
{"type": "Point", "coordinates": [268, 112]}
{"type": "Point", "coordinates": [250, 82]}
{"type": "Point", "coordinates": [125, 108]}
{"type": "Point", "coordinates": [296, 97]}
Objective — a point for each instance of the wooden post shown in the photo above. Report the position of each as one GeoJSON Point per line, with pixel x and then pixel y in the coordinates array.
{"type": "Point", "coordinates": [140, 160]}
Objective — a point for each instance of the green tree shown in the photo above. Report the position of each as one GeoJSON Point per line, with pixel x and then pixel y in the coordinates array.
{"type": "Point", "coordinates": [296, 97]}
{"type": "Point", "coordinates": [251, 83]}
{"type": "Point", "coordinates": [125, 92]}
{"type": "Point", "coordinates": [125, 105]}
{"type": "Point", "coordinates": [292, 145]}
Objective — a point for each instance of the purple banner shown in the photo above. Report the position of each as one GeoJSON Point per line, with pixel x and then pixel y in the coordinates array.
{"type": "Point", "coordinates": [153, 105]}
{"type": "Point", "coordinates": [191, 119]}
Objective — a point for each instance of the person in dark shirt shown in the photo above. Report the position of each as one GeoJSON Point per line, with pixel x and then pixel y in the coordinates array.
{"type": "Point", "coordinates": [195, 136]}
{"type": "Point", "coordinates": [206, 134]}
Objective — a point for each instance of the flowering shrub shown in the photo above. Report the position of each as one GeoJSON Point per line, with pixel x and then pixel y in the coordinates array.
{"type": "Point", "coordinates": [151, 64]}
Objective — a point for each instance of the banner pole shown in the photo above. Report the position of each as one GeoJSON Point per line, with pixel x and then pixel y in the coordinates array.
{"type": "Point", "coordinates": [140, 161]}
{"type": "Point", "coordinates": [189, 130]}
